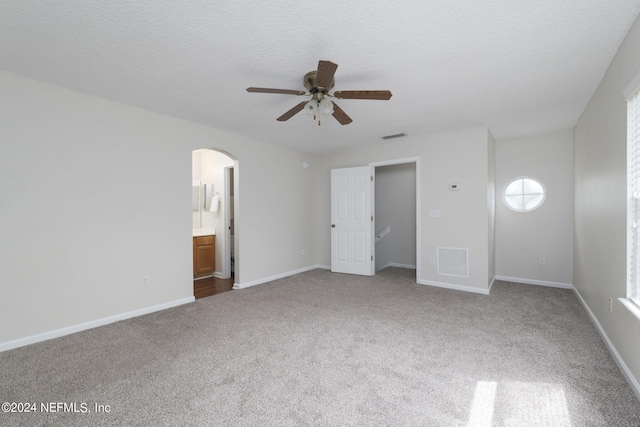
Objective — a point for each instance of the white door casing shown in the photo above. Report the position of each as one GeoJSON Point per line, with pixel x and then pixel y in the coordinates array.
{"type": "Point", "coordinates": [352, 221]}
{"type": "Point", "coordinates": [226, 271]}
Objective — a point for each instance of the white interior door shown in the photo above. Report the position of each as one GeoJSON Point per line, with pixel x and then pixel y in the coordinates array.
{"type": "Point", "coordinates": [351, 221]}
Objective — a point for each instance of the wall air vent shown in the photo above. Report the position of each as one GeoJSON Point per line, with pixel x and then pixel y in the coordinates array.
{"type": "Point", "coordinates": [453, 262]}
{"type": "Point", "coordinates": [397, 135]}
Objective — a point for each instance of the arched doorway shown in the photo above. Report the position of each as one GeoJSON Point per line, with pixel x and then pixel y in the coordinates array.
{"type": "Point", "coordinates": [214, 211]}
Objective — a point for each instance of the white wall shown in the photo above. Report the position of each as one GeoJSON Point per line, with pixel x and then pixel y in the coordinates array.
{"type": "Point", "coordinates": [195, 171]}
{"type": "Point", "coordinates": [95, 194]}
{"type": "Point", "coordinates": [600, 203]}
{"type": "Point", "coordinates": [491, 206]}
{"type": "Point", "coordinates": [522, 238]}
{"type": "Point", "coordinates": [456, 157]}
{"type": "Point", "coordinates": [395, 207]}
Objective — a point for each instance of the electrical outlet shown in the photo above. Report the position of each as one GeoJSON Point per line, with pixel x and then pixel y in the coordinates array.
{"type": "Point", "coordinates": [610, 305]}
{"type": "Point", "coordinates": [432, 261]}
{"type": "Point", "coordinates": [542, 261]}
{"type": "Point", "coordinates": [145, 280]}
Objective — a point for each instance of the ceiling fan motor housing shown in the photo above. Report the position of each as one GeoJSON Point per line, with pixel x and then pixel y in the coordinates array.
{"type": "Point", "coordinates": [310, 82]}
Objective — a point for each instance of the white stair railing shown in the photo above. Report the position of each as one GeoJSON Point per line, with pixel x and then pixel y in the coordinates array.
{"type": "Point", "coordinates": [380, 234]}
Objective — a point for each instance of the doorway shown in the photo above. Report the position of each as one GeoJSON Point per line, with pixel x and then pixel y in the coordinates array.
{"type": "Point", "coordinates": [351, 240]}
{"type": "Point", "coordinates": [394, 216]}
{"type": "Point", "coordinates": [214, 175]}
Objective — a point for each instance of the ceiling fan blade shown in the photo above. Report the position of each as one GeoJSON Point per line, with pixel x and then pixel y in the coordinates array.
{"type": "Point", "coordinates": [382, 95]}
{"type": "Point", "coordinates": [340, 115]}
{"type": "Point", "coordinates": [324, 76]}
{"type": "Point", "coordinates": [292, 112]}
{"type": "Point", "coordinates": [269, 90]}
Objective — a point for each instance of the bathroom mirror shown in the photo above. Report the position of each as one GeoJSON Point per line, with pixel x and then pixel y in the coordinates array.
{"type": "Point", "coordinates": [195, 196]}
{"type": "Point", "coordinates": [201, 195]}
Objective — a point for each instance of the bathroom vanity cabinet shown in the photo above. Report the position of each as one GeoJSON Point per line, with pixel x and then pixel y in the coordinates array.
{"type": "Point", "coordinates": [204, 255]}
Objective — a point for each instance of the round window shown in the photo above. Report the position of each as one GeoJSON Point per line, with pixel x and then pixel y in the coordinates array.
{"type": "Point", "coordinates": [524, 194]}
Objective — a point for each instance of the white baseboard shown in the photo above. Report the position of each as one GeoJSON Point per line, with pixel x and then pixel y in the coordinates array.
{"type": "Point", "coordinates": [473, 289]}
{"type": "Point", "coordinates": [395, 264]}
{"type": "Point", "coordinates": [633, 382]}
{"type": "Point", "coordinates": [535, 282]}
{"type": "Point", "coordinates": [275, 277]}
{"type": "Point", "coordinates": [327, 267]}
{"type": "Point", "coordinates": [21, 342]}
{"type": "Point", "coordinates": [204, 277]}
{"type": "Point", "coordinates": [216, 274]}
{"type": "Point", "coordinates": [491, 283]}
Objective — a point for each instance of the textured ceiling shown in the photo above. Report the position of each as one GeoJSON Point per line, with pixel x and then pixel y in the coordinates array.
{"type": "Point", "coordinates": [520, 67]}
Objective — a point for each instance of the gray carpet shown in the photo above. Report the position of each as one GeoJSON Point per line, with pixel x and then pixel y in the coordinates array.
{"type": "Point", "coordinates": [331, 349]}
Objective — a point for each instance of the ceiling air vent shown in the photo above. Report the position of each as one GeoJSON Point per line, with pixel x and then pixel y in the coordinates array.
{"type": "Point", "coordinates": [397, 135]}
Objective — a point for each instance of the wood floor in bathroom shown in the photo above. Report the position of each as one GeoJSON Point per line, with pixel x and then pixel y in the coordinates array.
{"type": "Point", "coordinates": [209, 286]}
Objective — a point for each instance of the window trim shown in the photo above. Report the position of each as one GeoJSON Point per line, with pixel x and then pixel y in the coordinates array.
{"type": "Point", "coordinates": [511, 181]}
{"type": "Point", "coordinates": [631, 93]}
{"type": "Point", "coordinates": [632, 87]}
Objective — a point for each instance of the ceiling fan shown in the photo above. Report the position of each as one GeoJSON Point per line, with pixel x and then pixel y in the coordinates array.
{"type": "Point", "coordinates": [318, 83]}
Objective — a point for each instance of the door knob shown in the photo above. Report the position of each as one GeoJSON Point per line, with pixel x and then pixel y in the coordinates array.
{"type": "Point", "coordinates": [333, 226]}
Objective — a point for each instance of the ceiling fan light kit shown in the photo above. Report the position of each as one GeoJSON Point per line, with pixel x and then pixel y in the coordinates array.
{"type": "Point", "coordinates": [318, 83]}
{"type": "Point", "coordinates": [318, 109]}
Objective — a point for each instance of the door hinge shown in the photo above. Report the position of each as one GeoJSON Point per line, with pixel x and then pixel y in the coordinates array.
{"type": "Point", "coordinates": [371, 217]}
{"type": "Point", "coordinates": [371, 177]}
